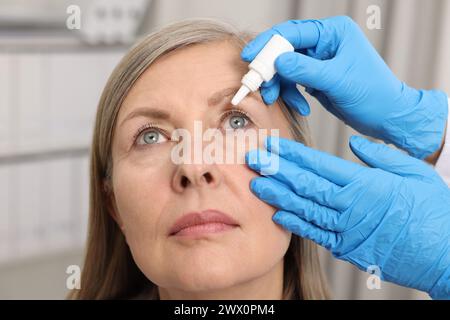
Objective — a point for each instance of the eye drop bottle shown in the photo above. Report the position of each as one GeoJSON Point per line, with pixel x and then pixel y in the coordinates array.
{"type": "Point", "coordinates": [262, 68]}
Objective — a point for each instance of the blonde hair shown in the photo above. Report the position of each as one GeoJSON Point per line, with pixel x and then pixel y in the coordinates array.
{"type": "Point", "coordinates": [109, 270]}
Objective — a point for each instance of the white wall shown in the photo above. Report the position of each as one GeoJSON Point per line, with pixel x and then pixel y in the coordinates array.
{"type": "Point", "coordinates": [47, 107]}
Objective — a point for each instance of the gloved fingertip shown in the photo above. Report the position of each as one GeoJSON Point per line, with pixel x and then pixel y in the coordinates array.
{"type": "Point", "coordinates": [305, 110]}
{"type": "Point", "coordinates": [353, 139]}
{"type": "Point", "coordinates": [272, 144]}
{"type": "Point", "coordinates": [269, 95]}
{"type": "Point", "coordinates": [253, 158]}
{"type": "Point", "coordinates": [253, 184]}
{"type": "Point", "coordinates": [303, 106]}
{"type": "Point", "coordinates": [246, 53]}
{"type": "Point", "coordinates": [267, 143]}
{"type": "Point", "coordinates": [294, 99]}
{"type": "Point", "coordinates": [299, 106]}
{"type": "Point", "coordinates": [278, 217]}
{"type": "Point", "coordinates": [269, 101]}
{"type": "Point", "coordinates": [357, 142]}
{"type": "Point", "coordinates": [250, 157]}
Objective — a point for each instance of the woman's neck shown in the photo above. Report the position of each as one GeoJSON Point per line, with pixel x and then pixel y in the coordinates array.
{"type": "Point", "coordinates": [269, 286]}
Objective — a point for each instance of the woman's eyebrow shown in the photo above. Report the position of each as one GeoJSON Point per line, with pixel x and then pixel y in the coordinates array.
{"type": "Point", "coordinates": [161, 114]}
{"type": "Point", "coordinates": [219, 96]}
{"type": "Point", "coordinates": [148, 112]}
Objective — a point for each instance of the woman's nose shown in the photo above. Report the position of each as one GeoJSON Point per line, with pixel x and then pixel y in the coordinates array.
{"type": "Point", "coordinates": [195, 176]}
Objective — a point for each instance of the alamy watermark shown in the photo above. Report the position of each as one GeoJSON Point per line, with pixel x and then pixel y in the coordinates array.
{"type": "Point", "coordinates": [73, 281]}
{"type": "Point", "coordinates": [73, 21]}
{"type": "Point", "coordinates": [373, 21]}
{"type": "Point", "coordinates": [374, 280]}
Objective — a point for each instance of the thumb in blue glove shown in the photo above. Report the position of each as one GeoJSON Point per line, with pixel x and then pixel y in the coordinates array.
{"type": "Point", "coordinates": [394, 215]}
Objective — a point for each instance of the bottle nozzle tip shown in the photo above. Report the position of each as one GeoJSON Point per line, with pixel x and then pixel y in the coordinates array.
{"type": "Point", "coordinates": [242, 92]}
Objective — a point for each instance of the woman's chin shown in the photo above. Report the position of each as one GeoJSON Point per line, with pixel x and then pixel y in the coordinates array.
{"type": "Point", "coordinates": [211, 276]}
{"type": "Point", "coordinates": [206, 284]}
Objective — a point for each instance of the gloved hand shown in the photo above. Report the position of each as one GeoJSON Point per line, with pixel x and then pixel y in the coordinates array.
{"type": "Point", "coordinates": [394, 215]}
{"type": "Point", "coordinates": [339, 67]}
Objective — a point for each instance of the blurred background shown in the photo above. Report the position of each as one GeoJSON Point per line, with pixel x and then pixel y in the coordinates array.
{"type": "Point", "coordinates": [53, 68]}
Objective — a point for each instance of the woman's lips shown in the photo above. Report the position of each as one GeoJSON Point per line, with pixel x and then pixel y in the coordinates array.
{"type": "Point", "coordinates": [199, 223]}
{"type": "Point", "coordinates": [201, 229]}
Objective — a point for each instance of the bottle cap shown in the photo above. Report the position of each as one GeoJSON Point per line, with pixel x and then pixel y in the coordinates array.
{"type": "Point", "coordinates": [241, 94]}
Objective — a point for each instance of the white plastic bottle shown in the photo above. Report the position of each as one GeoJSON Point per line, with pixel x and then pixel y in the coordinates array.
{"type": "Point", "coordinates": [262, 68]}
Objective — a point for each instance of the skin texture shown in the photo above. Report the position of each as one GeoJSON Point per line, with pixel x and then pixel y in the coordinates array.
{"type": "Point", "coordinates": [245, 262]}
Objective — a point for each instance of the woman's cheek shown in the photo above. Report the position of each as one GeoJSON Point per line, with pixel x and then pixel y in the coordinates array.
{"type": "Point", "coordinates": [268, 241]}
{"type": "Point", "coordinates": [138, 195]}
{"type": "Point", "coordinates": [238, 177]}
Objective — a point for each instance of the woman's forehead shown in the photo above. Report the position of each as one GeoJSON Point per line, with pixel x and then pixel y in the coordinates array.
{"type": "Point", "coordinates": [194, 72]}
{"type": "Point", "coordinates": [201, 64]}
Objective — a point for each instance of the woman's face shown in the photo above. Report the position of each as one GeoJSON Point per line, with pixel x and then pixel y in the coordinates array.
{"type": "Point", "coordinates": [151, 191]}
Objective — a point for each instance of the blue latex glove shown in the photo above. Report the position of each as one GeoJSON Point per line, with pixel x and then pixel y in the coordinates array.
{"type": "Point", "coordinates": [394, 215]}
{"type": "Point", "coordinates": [339, 67]}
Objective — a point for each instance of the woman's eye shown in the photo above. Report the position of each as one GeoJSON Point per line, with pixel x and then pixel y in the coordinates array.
{"type": "Point", "coordinates": [151, 137]}
{"type": "Point", "coordinates": [236, 121]}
